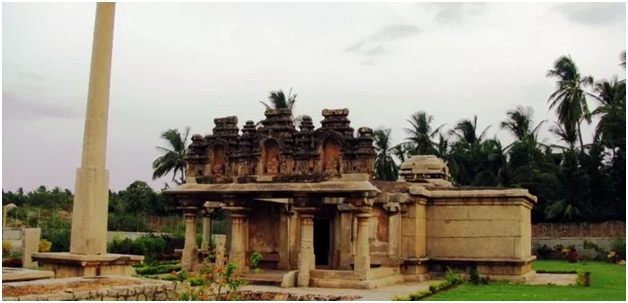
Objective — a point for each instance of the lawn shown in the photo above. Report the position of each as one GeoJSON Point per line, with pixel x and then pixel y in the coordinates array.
{"type": "Point", "coordinates": [608, 283]}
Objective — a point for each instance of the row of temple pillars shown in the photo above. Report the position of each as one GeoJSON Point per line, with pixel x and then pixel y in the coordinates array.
{"type": "Point", "coordinates": [306, 258]}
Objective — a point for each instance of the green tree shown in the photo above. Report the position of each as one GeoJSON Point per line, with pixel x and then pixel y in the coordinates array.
{"type": "Point", "coordinates": [279, 100]}
{"type": "Point", "coordinates": [421, 133]}
{"type": "Point", "coordinates": [385, 167]}
{"type": "Point", "coordinates": [569, 99]}
{"type": "Point", "coordinates": [173, 157]}
{"type": "Point", "coordinates": [139, 197]}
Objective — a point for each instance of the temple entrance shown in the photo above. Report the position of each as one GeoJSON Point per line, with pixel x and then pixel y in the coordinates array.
{"type": "Point", "coordinates": [322, 242]}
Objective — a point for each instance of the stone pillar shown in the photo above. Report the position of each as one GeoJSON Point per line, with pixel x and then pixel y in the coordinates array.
{"type": "Point", "coordinates": [285, 220]}
{"type": "Point", "coordinates": [91, 200]}
{"type": "Point", "coordinates": [237, 254]}
{"type": "Point", "coordinates": [394, 231]}
{"type": "Point", "coordinates": [346, 222]}
{"type": "Point", "coordinates": [190, 252]}
{"type": "Point", "coordinates": [306, 251]}
{"type": "Point", "coordinates": [362, 261]}
{"type": "Point", "coordinates": [207, 222]}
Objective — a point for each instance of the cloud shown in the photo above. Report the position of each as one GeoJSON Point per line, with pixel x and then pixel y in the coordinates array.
{"type": "Point", "coordinates": [456, 12]}
{"type": "Point", "coordinates": [593, 13]}
{"type": "Point", "coordinates": [374, 45]}
{"type": "Point", "coordinates": [16, 107]}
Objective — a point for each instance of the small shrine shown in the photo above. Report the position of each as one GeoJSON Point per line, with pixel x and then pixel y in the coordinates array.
{"type": "Point", "coordinates": [306, 200]}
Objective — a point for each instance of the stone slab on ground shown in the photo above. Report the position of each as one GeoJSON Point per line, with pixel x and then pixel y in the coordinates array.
{"type": "Point", "coordinates": [378, 294]}
{"type": "Point", "coordinates": [10, 274]}
{"type": "Point", "coordinates": [555, 279]}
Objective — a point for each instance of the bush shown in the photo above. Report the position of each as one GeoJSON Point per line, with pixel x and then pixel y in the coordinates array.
{"type": "Point", "coordinates": [44, 245]}
{"type": "Point", "coordinates": [474, 277]}
{"type": "Point", "coordinates": [126, 222]}
{"type": "Point", "coordinates": [7, 247]}
{"type": "Point", "coordinates": [60, 239]}
{"type": "Point", "coordinates": [149, 246]}
{"type": "Point", "coordinates": [417, 296]}
{"type": "Point", "coordinates": [453, 277]}
{"type": "Point", "coordinates": [158, 269]}
{"type": "Point", "coordinates": [216, 283]}
{"type": "Point", "coordinates": [543, 252]}
{"type": "Point", "coordinates": [618, 245]}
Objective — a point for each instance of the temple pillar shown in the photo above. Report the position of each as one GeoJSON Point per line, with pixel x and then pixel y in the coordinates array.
{"type": "Point", "coordinates": [237, 252]}
{"type": "Point", "coordinates": [306, 251]}
{"type": "Point", "coordinates": [394, 231]}
{"type": "Point", "coordinates": [346, 220]}
{"type": "Point", "coordinates": [362, 262]}
{"type": "Point", "coordinates": [190, 253]}
{"type": "Point", "coordinates": [207, 223]}
{"type": "Point", "coordinates": [285, 221]}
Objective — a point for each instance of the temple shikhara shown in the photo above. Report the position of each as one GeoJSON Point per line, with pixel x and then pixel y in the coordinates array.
{"type": "Point", "coordinates": [305, 198]}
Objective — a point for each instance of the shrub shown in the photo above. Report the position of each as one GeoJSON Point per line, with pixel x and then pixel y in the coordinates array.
{"type": "Point", "coordinates": [218, 283]}
{"type": "Point", "coordinates": [60, 239]}
{"type": "Point", "coordinates": [453, 277]}
{"type": "Point", "coordinates": [416, 296]}
{"type": "Point", "coordinates": [400, 298]}
{"type": "Point", "coordinates": [485, 280]}
{"type": "Point", "coordinates": [434, 287]}
{"type": "Point", "coordinates": [474, 277]}
{"type": "Point", "coordinates": [7, 247]}
{"type": "Point", "coordinates": [618, 245]}
{"type": "Point", "coordinates": [44, 245]}
{"type": "Point", "coordinates": [543, 252]}
{"type": "Point", "coordinates": [255, 258]}
{"type": "Point", "coordinates": [158, 269]}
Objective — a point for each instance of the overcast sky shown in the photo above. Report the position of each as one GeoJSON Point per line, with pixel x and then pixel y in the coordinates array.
{"type": "Point", "coordinates": [177, 65]}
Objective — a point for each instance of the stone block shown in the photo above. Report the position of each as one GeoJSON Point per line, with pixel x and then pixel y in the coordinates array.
{"type": "Point", "coordinates": [482, 247]}
{"type": "Point", "coordinates": [10, 299]}
{"type": "Point", "coordinates": [446, 212]}
{"type": "Point", "coordinates": [493, 212]}
{"type": "Point", "coordinates": [60, 297]}
{"type": "Point", "coordinates": [464, 228]}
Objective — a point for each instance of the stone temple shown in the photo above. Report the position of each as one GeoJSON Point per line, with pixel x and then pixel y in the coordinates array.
{"type": "Point", "coordinates": [306, 200]}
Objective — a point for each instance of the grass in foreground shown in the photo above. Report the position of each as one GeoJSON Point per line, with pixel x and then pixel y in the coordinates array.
{"type": "Point", "coordinates": [608, 283]}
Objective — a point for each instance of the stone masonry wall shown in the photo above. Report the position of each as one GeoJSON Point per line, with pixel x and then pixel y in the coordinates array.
{"type": "Point", "coordinates": [609, 229]}
{"type": "Point", "coordinates": [153, 291]}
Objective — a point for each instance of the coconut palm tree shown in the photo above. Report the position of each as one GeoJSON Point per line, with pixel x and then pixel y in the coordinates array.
{"type": "Point", "coordinates": [385, 167]}
{"type": "Point", "coordinates": [173, 157]}
{"type": "Point", "coordinates": [622, 57]}
{"type": "Point", "coordinates": [569, 99]}
{"type": "Point", "coordinates": [421, 133]}
{"type": "Point", "coordinates": [279, 100]}
{"type": "Point", "coordinates": [611, 130]}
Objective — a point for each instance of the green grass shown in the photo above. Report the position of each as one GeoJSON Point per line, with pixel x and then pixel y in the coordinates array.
{"type": "Point", "coordinates": [608, 283]}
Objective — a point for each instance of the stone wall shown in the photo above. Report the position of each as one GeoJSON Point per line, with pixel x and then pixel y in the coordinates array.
{"type": "Point", "coordinates": [148, 290]}
{"type": "Point", "coordinates": [478, 229]}
{"type": "Point", "coordinates": [25, 241]}
{"type": "Point", "coordinates": [609, 229]}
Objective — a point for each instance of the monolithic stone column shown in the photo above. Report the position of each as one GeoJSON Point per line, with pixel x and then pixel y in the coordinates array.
{"type": "Point", "coordinates": [306, 251]}
{"type": "Point", "coordinates": [394, 222]}
{"type": "Point", "coordinates": [90, 208]}
{"type": "Point", "coordinates": [362, 261]}
{"type": "Point", "coordinates": [238, 249]}
{"type": "Point", "coordinates": [285, 220]}
{"type": "Point", "coordinates": [346, 220]}
{"type": "Point", "coordinates": [207, 223]}
{"type": "Point", "coordinates": [190, 253]}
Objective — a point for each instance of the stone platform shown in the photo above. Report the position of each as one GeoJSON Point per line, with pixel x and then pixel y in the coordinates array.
{"type": "Point", "coordinates": [66, 265]}
{"type": "Point", "coordinates": [10, 274]}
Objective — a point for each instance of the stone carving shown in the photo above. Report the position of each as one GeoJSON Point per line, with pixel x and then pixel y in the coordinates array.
{"type": "Point", "coordinates": [278, 149]}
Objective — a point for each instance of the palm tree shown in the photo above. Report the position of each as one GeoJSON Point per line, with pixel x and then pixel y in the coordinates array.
{"type": "Point", "coordinates": [421, 133]}
{"type": "Point", "coordinates": [173, 157]}
{"type": "Point", "coordinates": [611, 130]}
{"type": "Point", "coordinates": [403, 151]}
{"type": "Point", "coordinates": [466, 132]}
{"type": "Point", "coordinates": [279, 100]}
{"type": "Point", "coordinates": [569, 99]}
{"type": "Point", "coordinates": [385, 167]}
{"type": "Point", "coordinates": [622, 57]}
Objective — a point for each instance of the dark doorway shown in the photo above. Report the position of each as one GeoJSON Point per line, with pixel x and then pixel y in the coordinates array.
{"type": "Point", "coordinates": [321, 241]}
